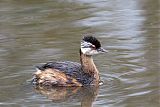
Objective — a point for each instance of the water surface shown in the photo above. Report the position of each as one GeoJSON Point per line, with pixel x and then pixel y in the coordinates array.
{"type": "Point", "coordinates": [34, 32]}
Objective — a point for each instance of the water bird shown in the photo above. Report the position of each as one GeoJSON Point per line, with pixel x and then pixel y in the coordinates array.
{"type": "Point", "coordinates": [67, 73]}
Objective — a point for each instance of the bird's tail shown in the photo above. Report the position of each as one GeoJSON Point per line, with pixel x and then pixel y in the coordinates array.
{"type": "Point", "coordinates": [38, 70]}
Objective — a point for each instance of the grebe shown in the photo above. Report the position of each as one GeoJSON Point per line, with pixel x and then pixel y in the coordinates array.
{"type": "Point", "coordinates": [69, 73]}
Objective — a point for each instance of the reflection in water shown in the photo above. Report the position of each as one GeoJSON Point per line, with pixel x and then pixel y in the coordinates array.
{"type": "Point", "coordinates": [86, 95]}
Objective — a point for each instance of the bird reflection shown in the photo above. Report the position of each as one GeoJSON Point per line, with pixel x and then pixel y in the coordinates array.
{"type": "Point", "coordinates": [85, 95]}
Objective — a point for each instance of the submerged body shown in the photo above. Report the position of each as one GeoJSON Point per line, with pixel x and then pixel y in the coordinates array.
{"type": "Point", "coordinates": [71, 73]}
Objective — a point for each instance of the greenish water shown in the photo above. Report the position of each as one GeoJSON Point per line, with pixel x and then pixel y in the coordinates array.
{"type": "Point", "coordinates": [37, 31]}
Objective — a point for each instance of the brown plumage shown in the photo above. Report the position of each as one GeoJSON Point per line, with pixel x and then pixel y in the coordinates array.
{"type": "Point", "coordinates": [55, 77]}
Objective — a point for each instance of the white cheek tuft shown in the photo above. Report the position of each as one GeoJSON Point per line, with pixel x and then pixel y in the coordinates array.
{"type": "Point", "coordinates": [85, 50]}
{"type": "Point", "coordinates": [89, 51]}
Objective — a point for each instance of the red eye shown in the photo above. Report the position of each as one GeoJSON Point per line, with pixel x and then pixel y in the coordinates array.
{"type": "Point", "coordinates": [93, 47]}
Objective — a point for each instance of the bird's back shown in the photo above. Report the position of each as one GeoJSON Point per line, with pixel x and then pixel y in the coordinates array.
{"type": "Point", "coordinates": [71, 71]}
{"type": "Point", "coordinates": [67, 67]}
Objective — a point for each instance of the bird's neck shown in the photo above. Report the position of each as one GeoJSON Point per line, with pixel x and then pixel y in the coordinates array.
{"type": "Point", "coordinates": [89, 67]}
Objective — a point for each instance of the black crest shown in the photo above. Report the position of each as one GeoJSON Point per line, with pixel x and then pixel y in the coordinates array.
{"type": "Point", "coordinates": [92, 40]}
